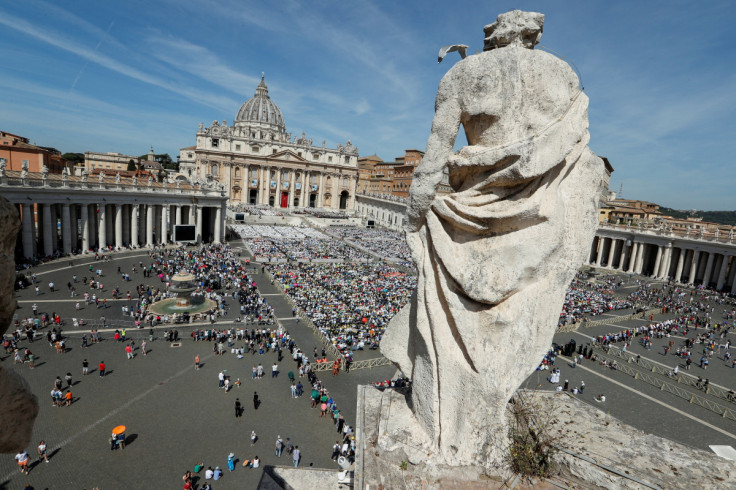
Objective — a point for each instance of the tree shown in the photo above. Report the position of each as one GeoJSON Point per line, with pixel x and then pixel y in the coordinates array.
{"type": "Point", "coordinates": [132, 166]}
{"type": "Point", "coordinates": [73, 158]}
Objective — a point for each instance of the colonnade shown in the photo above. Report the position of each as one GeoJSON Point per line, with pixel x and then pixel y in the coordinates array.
{"type": "Point", "coordinates": [48, 229]}
{"type": "Point", "coordinates": [692, 262]}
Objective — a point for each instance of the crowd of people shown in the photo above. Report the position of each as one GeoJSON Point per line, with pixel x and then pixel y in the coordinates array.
{"type": "Point", "coordinates": [274, 243]}
{"type": "Point", "coordinates": [387, 243]}
{"type": "Point", "coordinates": [351, 304]}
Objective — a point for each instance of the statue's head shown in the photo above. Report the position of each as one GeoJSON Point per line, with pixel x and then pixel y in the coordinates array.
{"type": "Point", "coordinates": [514, 28]}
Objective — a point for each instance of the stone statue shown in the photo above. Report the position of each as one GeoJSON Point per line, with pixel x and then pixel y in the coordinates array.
{"type": "Point", "coordinates": [102, 176]}
{"type": "Point", "coordinates": [18, 406]}
{"type": "Point", "coordinates": [496, 255]}
{"type": "Point", "coordinates": [45, 170]}
{"type": "Point", "coordinates": [24, 169]}
{"type": "Point", "coordinates": [135, 180]}
{"type": "Point", "coordinates": [117, 178]}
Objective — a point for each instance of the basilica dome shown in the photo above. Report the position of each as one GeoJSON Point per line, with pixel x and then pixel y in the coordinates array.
{"type": "Point", "coordinates": [261, 111]}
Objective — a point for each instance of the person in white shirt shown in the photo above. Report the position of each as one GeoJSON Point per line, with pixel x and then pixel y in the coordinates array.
{"type": "Point", "coordinates": [209, 473]}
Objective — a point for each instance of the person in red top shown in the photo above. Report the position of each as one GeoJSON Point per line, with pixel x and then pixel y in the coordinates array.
{"type": "Point", "coordinates": [102, 369]}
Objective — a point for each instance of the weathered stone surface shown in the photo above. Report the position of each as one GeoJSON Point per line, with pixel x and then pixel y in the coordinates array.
{"type": "Point", "coordinates": [578, 428]}
{"type": "Point", "coordinates": [18, 407]}
{"type": "Point", "coordinates": [496, 255]}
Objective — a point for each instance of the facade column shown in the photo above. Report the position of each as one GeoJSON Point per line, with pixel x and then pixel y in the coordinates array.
{"type": "Point", "coordinates": [321, 190]}
{"type": "Point", "coordinates": [596, 238]}
{"type": "Point", "coordinates": [54, 228]}
{"type": "Point", "coordinates": [73, 226]}
{"type": "Point", "coordinates": [693, 267]}
{"type": "Point", "coordinates": [277, 199]}
{"type": "Point", "coordinates": [27, 222]}
{"type": "Point", "coordinates": [732, 276]}
{"type": "Point", "coordinates": [102, 228]}
{"type": "Point", "coordinates": [680, 264]}
{"type": "Point", "coordinates": [708, 269]}
{"type": "Point", "coordinates": [335, 188]}
{"type": "Point", "coordinates": [292, 188]}
{"type": "Point", "coordinates": [133, 225]}
{"type": "Point", "coordinates": [118, 226]}
{"type": "Point", "coordinates": [164, 224]}
{"type": "Point", "coordinates": [218, 225]}
{"type": "Point", "coordinates": [150, 211]}
{"type": "Point", "coordinates": [48, 243]}
{"type": "Point", "coordinates": [84, 211]}
{"type": "Point", "coordinates": [304, 197]}
{"type": "Point", "coordinates": [198, 227]}
{"type": "Point", "coordinates": [142, 225]}
{"type": "Point", "coordinates": [722, 272]}
{"type": "Point", "coordinates": [178, 215]}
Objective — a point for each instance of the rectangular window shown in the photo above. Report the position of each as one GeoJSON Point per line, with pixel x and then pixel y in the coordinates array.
{"type": "Point", "coordinates": [329, 159]}
{"type": "Point", "coordinates": [215, 143]}
{"type": "Point", "coordinates": [237, 147]}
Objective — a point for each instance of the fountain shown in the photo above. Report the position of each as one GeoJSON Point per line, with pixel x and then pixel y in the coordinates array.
{"type": "Point", "coordinates": [182, 284]}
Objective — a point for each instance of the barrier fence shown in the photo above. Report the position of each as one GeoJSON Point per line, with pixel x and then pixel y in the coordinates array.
{"type": "Point", "coordinates": [658, 382]}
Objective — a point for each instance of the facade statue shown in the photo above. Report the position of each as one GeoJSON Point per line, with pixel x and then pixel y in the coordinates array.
{"type": "Point", "coordinates": [117, 178]}
{"type": "Point", "coordinates": [135, 180]}
{"type": "Point", "coordinates": [496, 255]}
{"type": "Point", "coordinates": [102, 176]}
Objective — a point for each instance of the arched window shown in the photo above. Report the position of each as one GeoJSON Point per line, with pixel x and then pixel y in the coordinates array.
{"type": "Point", "coordinates": [237, 172]}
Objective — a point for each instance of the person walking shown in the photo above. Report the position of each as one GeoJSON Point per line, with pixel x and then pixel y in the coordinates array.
{"type": "Point", "coordinates": [256, 401]}
{"type": "Point", "coordinates": [279, 446]}
{"type": "Point", "coordinates": [42, 451]}
{"type": "Point", "coordinates": [22, 459]}
{"type": "Point", "coordinates": [253, 438]}
{"type": "Point", "coordinates": [238, 408]}
{"type": "Point", "coordinates": [296, 456]}
{"type": "Point", "coordinates": [85, 367]}
{"type": "Point", "coordinates": [68, 379]}
{"type": "Point", "coordinates": [101, 367]}
{"type": "Point", "coordinates": [196, 363]}
{"type": "Point", "coordinates": [143, 347]}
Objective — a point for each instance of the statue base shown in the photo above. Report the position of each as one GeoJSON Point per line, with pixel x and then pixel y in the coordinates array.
{"type": "Point", "coordinates": [596, 450]}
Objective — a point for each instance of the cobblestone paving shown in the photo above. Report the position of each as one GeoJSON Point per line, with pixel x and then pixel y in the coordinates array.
{"type": "Point", "coordinates": [175, 416]}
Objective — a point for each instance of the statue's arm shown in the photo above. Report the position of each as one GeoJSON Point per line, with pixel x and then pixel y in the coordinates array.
{"type": "Point", "coordinates": [428, 175]}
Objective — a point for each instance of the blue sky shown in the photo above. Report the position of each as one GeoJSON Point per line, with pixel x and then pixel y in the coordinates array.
{"type": "Point", "coordinates": [122, 76]}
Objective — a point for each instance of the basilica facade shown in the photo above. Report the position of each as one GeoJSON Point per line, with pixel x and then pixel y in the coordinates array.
{"type": "Point", "coordinates": [258, 162]}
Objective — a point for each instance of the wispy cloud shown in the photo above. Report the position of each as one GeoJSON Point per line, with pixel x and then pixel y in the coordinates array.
{"type": "Point", "coordinates": [60, 41]}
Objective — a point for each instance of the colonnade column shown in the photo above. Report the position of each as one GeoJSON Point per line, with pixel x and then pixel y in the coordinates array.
{"type": "Point", "coordinates": [665, 268]}
{"type": "Point", "coordinates": [27, 223]}
{"type": "Point", "coordinates": [632, 260]}
{"type": "Point", "coordinates": [149, 225]}
{"type": "Point", "coordinates": [640, 258]}
{"type": "Point", "coordinates": [48, 244]}
{"type": "Point", "coordinates": [118, 226]}
{"type": "Point", "coordinates": [102, 228]}
{"type": "Point", "coordinates": [92, 225]}
{"type": "Point", "coordinates": [178, 215]}
{"type": "Point", "coordinates": [218, 225]}
{"type": "Point", "coordinates": [133, 225]}
{"type": "Point", "coordinates": [335, 201]}
{"type": "Point", "coordinates": [126, 224]}
{"type": "Point", "coordinates": [66, 229]}
{"type": "Point", "coordinates": [680, 264]}
{"type": "Point", "coordinates": [84, 212]}
{"type": "Point", "coordinates": [693, 267]}
{"type": "Point", "coordinates": [198, 226]}
{"type": "Point", "coordinates": [599, 256]}
{"type": "Point", "coordinates": [615, 245]}
{"type": "Point", "coordinates": [722, 272]}
{"type": "Point", "coordinates": [708, 269]}
{"type": "Point", "coordinates": [624, 255]}
{"type": "Point", "coordinates": [164, 224]}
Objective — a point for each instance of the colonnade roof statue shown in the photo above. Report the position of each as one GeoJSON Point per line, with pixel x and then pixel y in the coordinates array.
{"type": "Point", "coordinates": [496, 255]}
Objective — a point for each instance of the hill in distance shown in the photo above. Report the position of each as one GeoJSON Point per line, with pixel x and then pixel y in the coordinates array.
{"type": "Point", "coordinates": [721, 217]}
